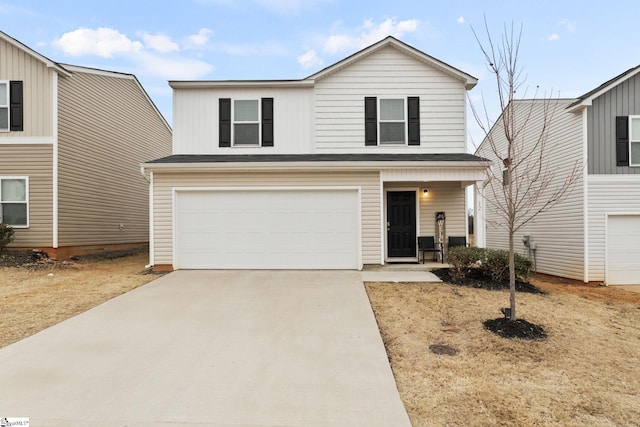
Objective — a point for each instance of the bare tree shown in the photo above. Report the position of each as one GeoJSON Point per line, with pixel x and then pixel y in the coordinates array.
{"type": "Point", "coordinates": [522, 186]}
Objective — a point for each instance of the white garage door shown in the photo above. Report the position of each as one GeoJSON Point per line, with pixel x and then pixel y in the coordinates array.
{"type": "Point", "coordinates": [623, 250]}
{"type": "Point", "coordinates": [267, 229]}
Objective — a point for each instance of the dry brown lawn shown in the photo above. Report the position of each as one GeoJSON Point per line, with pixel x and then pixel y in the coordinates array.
{"type": "Point", "coordinates": [34, 298]}
{"type": "Point", "coordinates": [587, 373]}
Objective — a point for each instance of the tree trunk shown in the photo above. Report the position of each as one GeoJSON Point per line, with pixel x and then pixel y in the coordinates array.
{"type": "Point", "coordinates": [512, 277]}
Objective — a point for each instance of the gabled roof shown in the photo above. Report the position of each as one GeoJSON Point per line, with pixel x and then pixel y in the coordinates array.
{"type": "Point", "coordinates": [49, 63]}
{"type": "Point", "coordinates": [469, 80]}
{"type": "Point", "coordinates": [587, 99]}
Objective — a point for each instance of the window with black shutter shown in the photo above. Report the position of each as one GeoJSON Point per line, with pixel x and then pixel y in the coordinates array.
{"type": "Point", "coordinates": [622, 141]}
{"type": "Point", "coordinates": [392, 121]}
{"type": "Point", "coordinates": [224, 122]}
{"type": "Point", "coordinates": [15, 105]}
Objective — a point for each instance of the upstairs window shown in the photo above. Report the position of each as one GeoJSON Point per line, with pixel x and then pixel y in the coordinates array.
{"type": "Point", "coordinates": [392, 121]}
{"type": "Point", "coordinates": [11, 106]}
{"type": "Point", "coordinates": [634, 140]}
{"type": "Point", "coordinates": [246, 122]}
{"type": "Point", "coordinates": [14, 199]}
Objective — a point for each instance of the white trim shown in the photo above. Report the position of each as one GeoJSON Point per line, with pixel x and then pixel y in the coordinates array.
{"type": "Point", "coordinates": [151, 222]}
{"type": "Point", "coordinates": [607, 215]}
{"type": "Point", "coordinates": [587, 102]}
{"type": "Point", "coordinates": [26, 183]}
{"type": "Point", "coordinates": [383, 222]}
{"type": "Point", "coordinates": [176, 190]}
{"type": "Point", "coordinates": [7, 105]}
{"type": "Point", "coordinates": [404, 121]}
{"type": "Point", "coordinates": [24, 140]}
{"type": "Point", "coordinates": [54, 125]}
{"type": "Point", "coordinates": [257, 122]}
{"type": "Point", "coordinates": [585, 196]}
{"type": "Point", "coordinates": [416, 190]}
{"type": "Point", "coordinates": [633, 140]}
{"type": "Point", "coordinates": [605, 179]}
{"type": "Point", "coordinates": [220, 84]}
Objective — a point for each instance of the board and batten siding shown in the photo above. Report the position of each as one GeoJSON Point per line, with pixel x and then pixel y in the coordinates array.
{"type": "Point", "coordinates": [621, 100]}
{"type": "Point", "coordinates": [16, 64]}
{"type": "Point", "coordinates": [33, 161]}
{"type": "Point", "coordinates": [163, 184]}
{"type": "Point", "coordinates": [107, 128]}
{"type": "Point", "coordinates": [339, 103]}
{"type": "Point", "coordinates": [608, 195]}
{"type": "Point", "coordinates": [195, 118]}
{"type": "Point", "coordinates": [559, 231]}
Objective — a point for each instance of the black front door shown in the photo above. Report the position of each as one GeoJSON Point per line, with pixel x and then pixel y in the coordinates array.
{"type": "Point", "coordinates": [401, 224]}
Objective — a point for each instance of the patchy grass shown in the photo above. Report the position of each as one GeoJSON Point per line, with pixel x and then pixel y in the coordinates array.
{"type": "Point", "coordinates": [36, 296]}
{"type": "Point", "coordinates": [585, 373]}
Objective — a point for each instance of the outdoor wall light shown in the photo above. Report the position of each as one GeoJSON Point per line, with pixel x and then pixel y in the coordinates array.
{"type": "Point", "coordinates": [425, 191]}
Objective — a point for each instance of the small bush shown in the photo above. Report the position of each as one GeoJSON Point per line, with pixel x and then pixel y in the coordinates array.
{"type": "Point", "coordinates": [6, 236]}
{"type": "Point", "coordinates": [490, 263]}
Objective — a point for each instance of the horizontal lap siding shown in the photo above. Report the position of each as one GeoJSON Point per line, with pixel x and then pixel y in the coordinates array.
{"type": "Point", "coordinates": [389, 72]}
{"type": "Point", "coordinates": [559, 231]}
{"type": "Point", "coordinates": [34, 161]}
{"type": "Point", "coordinates": [607, 195]}
{"type": "Point", "coordinates": [164, 183]}
{"type": "Point", "coordinates": [107, 128]}
{"type": "Point", "coordinates": [16, 64]}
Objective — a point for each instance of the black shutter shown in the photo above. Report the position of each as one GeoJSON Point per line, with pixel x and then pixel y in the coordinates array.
{"type": "Point", "coordinates": [370, 120]}
{"type": "Point", "coordinates": [267, 122]}
{"type": "Point", "coordinates": [622, 141]}
{"type": "Point", "coordinates": [15, 105]}
{"type": "Point", "coordinates": [413, 113]}
{"type": "Point", "coordinates": [224, 121]}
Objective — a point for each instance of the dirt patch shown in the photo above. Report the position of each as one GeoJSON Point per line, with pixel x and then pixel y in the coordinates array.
{"type": "Point", "coordinates": [38, 293]}
{"type": "Point", "coordinates": [518, 328]}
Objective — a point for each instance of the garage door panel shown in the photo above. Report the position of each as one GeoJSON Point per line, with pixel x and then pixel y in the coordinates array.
{"type": "Point", "coordinates": [623, 250]}
{"type": "Point", "coordinates": [267, 229]}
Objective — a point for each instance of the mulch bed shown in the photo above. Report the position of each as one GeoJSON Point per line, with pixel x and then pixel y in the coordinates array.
{"type": "Point", "coordinates": [518, 328]}
{"type": "Point", "coordinates": [476, 280]}
{"type": "Point", "coordinates": [34, 259]}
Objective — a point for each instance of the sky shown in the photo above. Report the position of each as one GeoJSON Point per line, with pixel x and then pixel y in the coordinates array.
{"type": "Point", "coordinates": [567, 47]}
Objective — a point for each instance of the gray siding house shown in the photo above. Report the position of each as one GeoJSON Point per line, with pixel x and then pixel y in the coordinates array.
{"type": "Point", "coordinates": [71, 141]}
{"type": "Point", "coordinates": [344, 168]}
{"type": "Point", "coordinates": [594, 234]}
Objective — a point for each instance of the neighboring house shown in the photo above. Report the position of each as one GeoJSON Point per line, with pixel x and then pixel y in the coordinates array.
{"type": "Point", "coordinates": [343, 168]}
{"type": "Point", "coordinates": [593, 235]}
{"type": "Point", "coordinates": [71, 143]}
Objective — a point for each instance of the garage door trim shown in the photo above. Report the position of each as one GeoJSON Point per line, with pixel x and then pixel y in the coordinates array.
{"type": "Point", "coordinates": [356, 189]}
{"type": "Point", "coordinates": [608, 216]}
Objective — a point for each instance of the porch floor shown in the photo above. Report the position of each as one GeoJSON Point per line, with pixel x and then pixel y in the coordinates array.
{"type": "Point", "coordinates": [402, 273]}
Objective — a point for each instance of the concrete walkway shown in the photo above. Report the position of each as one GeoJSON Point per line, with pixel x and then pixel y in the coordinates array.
{"type": "Point", "coordinates": [211, 348]}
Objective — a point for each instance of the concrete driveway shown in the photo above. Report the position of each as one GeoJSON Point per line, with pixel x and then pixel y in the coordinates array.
{"type": "Point", "coordinates": [211, 348]}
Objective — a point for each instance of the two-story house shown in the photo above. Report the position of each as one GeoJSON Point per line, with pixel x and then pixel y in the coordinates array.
{"type": "Point", "coordinates": [71, 143]}
{"type": "Point", "coordinates": [341, 169]}
{"type": "Point", "coordinates": [593, 234]}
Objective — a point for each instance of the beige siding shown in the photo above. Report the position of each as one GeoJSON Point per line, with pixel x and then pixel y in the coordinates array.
{"type": "Point", "coordinates": [195, 114]}
{"type": "Point", "coordinates": [107, 127]}
{"type": "Point", "coordinates": [608, 195]}
{"type": "Point", "coordinates": [388, 72]}
{"type": "Point", "coordinates": [165, 182]}
{"type": "Point", "coordinates": [35, 162]}
{"type": "Point", "coordinates": [559, 231]}
{"type": "Point", "coordinates": [16, 64]}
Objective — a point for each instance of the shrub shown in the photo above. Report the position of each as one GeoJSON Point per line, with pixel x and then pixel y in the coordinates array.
{"type": "Point", "coordinates": [6, 236]}
{"type": "Point", "coordinates": [490, 263]}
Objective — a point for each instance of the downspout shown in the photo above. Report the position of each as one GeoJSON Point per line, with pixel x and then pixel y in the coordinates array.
{"type": "Point", "coordinates": [149, 180]}
{"type": "Point", "coordinates": [54, 124]}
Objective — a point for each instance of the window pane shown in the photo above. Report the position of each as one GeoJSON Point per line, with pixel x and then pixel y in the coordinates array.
{"type": "Point", "coordinates": [4, 92]}
{"type": "Point", "coordinates": [245, 134]}
{"type": "Point", "coordinates": [635, 153]}
{"type": "Point", "coordinates": [245, 111]}
{"type": "Point", "coordinates": [391, 109]}
{"type": "Point", "coordinates": [14, 213]}
{"type": "Point", "coordinates": [392, 133]}
{"type": "Point", "coordinates": [635, 129]}
{"type": "Point", "coordinates": [13, 190]}
{"type": "Point", "coordinates": [4, 118]}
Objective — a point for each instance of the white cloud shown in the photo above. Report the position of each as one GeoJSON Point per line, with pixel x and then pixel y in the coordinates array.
{"type": "Point", "coordinates": [460, 20]}
{"type": "Point", "coordinates": [568, 25]}
{"type": "Point", "coordinates": [199, 39]}
{"type": "Point", "coordinates": [103, 42]}
{"type": "Point", "coordinates": [553, 37]}
{"type": "Point", "coordinates": [173, 68]}
{"type": "Point", "coordinates": [160, 43]}
{"type": "Point", "coordinates": [309, 59]}
{"type": "Point", "coordinates": [370, 33]}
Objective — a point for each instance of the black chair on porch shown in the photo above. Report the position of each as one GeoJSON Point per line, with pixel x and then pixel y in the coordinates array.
{"type": "Point", "coordinates": [428, 244]}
